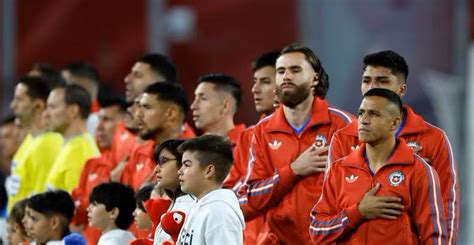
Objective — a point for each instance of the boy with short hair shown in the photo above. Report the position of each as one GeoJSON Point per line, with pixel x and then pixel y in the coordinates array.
{"type": "Point", "coordinates": [216, 218]}
{"type": "Point", "coordinates": [110, 210]}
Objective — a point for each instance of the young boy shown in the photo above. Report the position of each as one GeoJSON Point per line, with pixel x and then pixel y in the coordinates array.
{"type": "Point", "coordinates": [49, 214]}
{"type": "Point", "coordinates": [216, 218]}
{"type": "Point", "coordinates": [16, 230]}
{"type": "Point", "coordinates": [110, 210]}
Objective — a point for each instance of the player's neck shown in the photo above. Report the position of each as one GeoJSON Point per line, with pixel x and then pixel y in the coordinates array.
{"type": "Point", "coordinates": [298, 115]}
{"type": "Point", "coordinates": [378, 154]}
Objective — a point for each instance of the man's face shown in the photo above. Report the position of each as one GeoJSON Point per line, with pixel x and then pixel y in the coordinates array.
{"type": "Point", "coordinates": [22, 105]}
{"type": "Point", "coordinates": [191, 175]}
{"type": "Point", "coordinates": [131, 118]}
{"type": "Point", "coordinates": [9, 140]}
{"type": "Point", "coordinates": [263, 89]}
{"type": "Point", "coordinates": [40, 228]}
{"type": "Point", "coordinates": [109, 118]}
{"type": "Point", "coordinates": [207, 106]}
{"type": "Point", "coordinates": [294, 77]}
{"type": "Point", "coordinates": [151, 115]}
{"type": "Point", "coordinates": [381, 77]}
{"type": "Point", "coordinates": [376, 120]}
{"type": "Point", "coordinates": [139, 77]}
{"type": "Point", "coordinates": [56, 112]}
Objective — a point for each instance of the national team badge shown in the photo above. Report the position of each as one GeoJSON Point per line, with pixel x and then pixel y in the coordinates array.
{"type": "Point", "coordinates": [352, 178]}
{"type": "Point", "coordinates": [413, 144]}
{"type": "Point", "coordinates": [320, 141]}
{"type": "Point", "coordinates": [396, 178]}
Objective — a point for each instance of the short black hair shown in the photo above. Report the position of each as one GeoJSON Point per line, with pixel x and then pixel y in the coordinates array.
{"type": "Point", "coordinates": [116, 195]}
{"type": "Point", "coordinates": [49, 73]}
{"type": "Point", "coordinates": [224, 83]}
{"type": "Point", "coordinates": [38, 87]}
{"type": "Point", "coordinates": [171, 145]}
{"type": "Point", "coordinates": [389, 59]}
{"type": "Point", "coordinates": [77, 95]}
{"type": "Point", "coordinates": [10, 119]}
{"type": "Point", "coordinates": [391, 96]}
{"type": "Point", "coordinates": [211, 149]}
{"type": "Point", "coordinates": [83, 69]}
{"type": "Point", "coordinates": [170, 92]}
{"type": "Point", "coordinates": [142, 195]}
{"type": "Point", "coordinates": [322, 87]}
{"type": "Point", "coordinates": [265, 59]}
{"type": "Point", "coordinates": [52, 203]}
{"type": "Point", "coordinates": [161, 64]}
{"type": "Point", "coordinates": [118, 101]}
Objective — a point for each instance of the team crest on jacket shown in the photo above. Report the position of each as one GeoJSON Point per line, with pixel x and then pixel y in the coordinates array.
{"type": "Point", "coordinates": [320, 141]}
{"type": "Point", "coordinates": [274, 144]}
{"type": "Point", "coordinates": [396, 178]}
{"type": "Point", "coordinates": [413, 144]}
{"type": "Point", "coordinates": [352, 178]}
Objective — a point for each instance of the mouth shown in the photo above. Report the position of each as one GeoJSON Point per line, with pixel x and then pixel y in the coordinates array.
{"type": "Point", "coordinates": [287, 85]}
{"type": "Point", "coordinates": [195, 118]}
{"type": "Point", "coordinates": [364, 130]}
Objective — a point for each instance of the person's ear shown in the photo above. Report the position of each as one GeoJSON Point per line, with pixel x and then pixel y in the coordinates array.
{"type": "Point", "coordinates": [114, 213]}
{"type": "Point", "coordinates": [55, 223]}
{"type": "Point", "coordinates": [210, 171]}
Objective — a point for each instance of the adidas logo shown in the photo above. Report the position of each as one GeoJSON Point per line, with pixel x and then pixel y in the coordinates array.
{"type": "Point", "coordinates": [352, 178]}
{"type": "Point", "coordinates": [354, 148]}
{"type": "Point", "coordinates": [140, 166]}
{"type": "Point", "coordinates": [92, 176]}
{"type": "Point", "coordinates": [274, 144]}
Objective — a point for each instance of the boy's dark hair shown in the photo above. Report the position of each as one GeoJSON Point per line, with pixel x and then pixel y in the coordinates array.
{"type": "Point", "coordinates": [389, 59]}
{"type": "Point", "coordinates": [391, 96]}
{"type": "Point", "coordinates": [118, 101]}
{"type": "Point", "coordinates": [224, 83]}
{"type": "Point", "coordinates": [170, 92]}
{"type": "Point", "coordinates": [83, 69]}
{"type": "Point", "coordinates": [16, 214]}
{"type": "Point", "coordinates": [53, 203]}
{"type": "Point", "coordinates": [142, 195]}
{"type": "Point", "coordinates": [38, 87]}
{"type": "Point", "coordinates": [171, 146]}
{"type": "Point", "coordinates": [323, 85]}
{"type": "Point", "coordinates": [161, 64]}
{"type": "Point", "coordinates": [211, 149]}
{"type": "Point", "coordinates": [116, 195]}
{"type": "Point", "coordinates": [77, 95]}
{"type": "Point", "coordinates": [265, 59]}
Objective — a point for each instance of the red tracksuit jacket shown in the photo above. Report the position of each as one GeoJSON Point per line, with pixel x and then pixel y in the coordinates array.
{"type": "Point", "coordinates": [436, 147]}
{"type": "Point", "coordinates": [273, 189]}
{"type": "Point", "coordinates": [336, 218]}
{"type": "Point", "coordinates": [140, 165]}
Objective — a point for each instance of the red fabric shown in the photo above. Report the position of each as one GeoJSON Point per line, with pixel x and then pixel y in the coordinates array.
{"type": "Point", "coordinates": [171, 225]}
{"type": "Point", "coordinates": [123, 143]}
{"type": "Point", "coordinates": [95, 106]}
{"type": "Point", "coordinates": [234, 133]}
{"type": "Point", "coordinates": [95, 171]}
{"type": "Point", "coordinates": [141, 241]}
{"type": "Point", "coordinates": [156, 207]}
{"type": "Point", "coordinates": [187, 133]}
{"type": "Point", "coordinates": [140, 165]}
{"type": "Point", "coordinates": [436, 148]}
{"type": "Point", "coordinates": [273, 189]}
{"type": "Point", "coordinates": [404, 175]}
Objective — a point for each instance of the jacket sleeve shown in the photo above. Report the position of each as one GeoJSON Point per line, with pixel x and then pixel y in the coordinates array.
{"type": "Point", "coordinates": [241, 156]}
{"type": "Point", "coordinates": [328, 221]}
{"type": "Point", "coordinates": [335, 148]}
{"type": "Point", "coordinates": [444, 164]}
{"type": "Point", "coordinates": [80, 215]}
{"type": "Point", "coordinates": [265, 186]}
{"type": "Point", "coordinates": [428, 207]}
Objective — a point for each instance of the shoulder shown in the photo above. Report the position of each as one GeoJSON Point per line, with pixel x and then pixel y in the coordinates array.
{"type": "Point", "coordinates": [338, 114]}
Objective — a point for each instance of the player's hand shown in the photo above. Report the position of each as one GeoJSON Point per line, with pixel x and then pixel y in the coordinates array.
{"type": "Point", "coordinates": [117, 171]}
{"type": "Point", "coordinates": [385, 207]}
{"type": "Point", "coordinates": [310, 161]}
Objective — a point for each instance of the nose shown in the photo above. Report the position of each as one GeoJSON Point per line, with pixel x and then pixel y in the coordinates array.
{"type": "Point", "coordinates": [255, 88]}
{"type": "Point", "coordinates": [12, 105]}
{"type": "Point", "coordinates": [128, 78]}
{"type": "Point", "coordinates": [157, 169]}
{"type": "Point", "coordinates": [180, 171]}
{"type": "Point", "coordinates": [194, 105]}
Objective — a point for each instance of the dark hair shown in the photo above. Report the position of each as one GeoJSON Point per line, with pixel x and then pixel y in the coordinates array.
{"type": "Point", "coordinates": [16, 214]}
{"type": "Point", "coordinates": [389, 59]}
{"type": "Point", "coordinates": [211, 149]}
{"type": "Point", "coordinates": [83, 69]}
{"type": "Point", "coordinates": [323, 85]}
{"type": "Point", "coordinates": [49, 73]}
{"type": "Point", "coordinates": [161, 64]}
{"type": "Point", "coordinates": [52, 203]}
{"type": "Point", "coordinates": [118, 101]}
{"type": "Point", "coordinates": [116, 195]}
{"type": "Point", "coordinates": [142, 195]}
{"type": "Point", "coordinates": [170, 92]}
{"type": "Point", "coordinates": [77, 95]}
{"type": "Point", "coordinates": [171, 146]}
{"type": "Point", "coordinates": [10, 119]}
{"type": "Point", "coordinates": [391, 96]}
{"type": "Point", "coordinates": [224, 83]}
{"type": "Point", "coordinates": [265, 59]}
{"type": "Point", "coordinates": [38, 87]}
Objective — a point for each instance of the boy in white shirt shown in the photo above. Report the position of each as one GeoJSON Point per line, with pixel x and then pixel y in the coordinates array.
{"type": "Point", "coordinates": [110, 210]}
{"type": "Point", "coordinates": [216, 218]}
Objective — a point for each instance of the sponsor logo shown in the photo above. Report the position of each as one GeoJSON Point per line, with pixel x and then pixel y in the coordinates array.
{"type": "Point", "coordinates": [396, 178]}
{"type": "Point", "coordinates": [352, 178]}
{"type": "Point", "coordinates": [274, 144]}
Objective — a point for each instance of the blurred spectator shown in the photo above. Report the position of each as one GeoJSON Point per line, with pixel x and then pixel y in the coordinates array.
{"type": "Point", "coordinates": [15, 228]}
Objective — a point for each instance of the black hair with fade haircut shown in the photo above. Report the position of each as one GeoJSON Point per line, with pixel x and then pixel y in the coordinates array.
{"type": "Point", "coordinates": [265, 59]}
{"type": "Point", "coordinates": [211, 149]}
{"type": "Point", "coordinates": [77, 95]}
{"type": "Point", "coordinates": [162, 65]}
{"type": "Point", "coordinates": [38, 87]}
{"type": "Point", "coordinates": [49, 73]}
{"type": "Point", "coordinates": [321, 89]}
{"type": "Point", "coordinates": [389, 59]}
{"type": "Point", "coordinates": [391, 96]}
{"type": "Point", "coordinates": [118, 101]}
{"type": "Point", "coordinates": [171, 145]}
{"type": "Point", "coordinates": [83, 69]}
{"type": "Point", "coordinates": [142, 195]}
{"type": "Point", "coordinates": [116, 195]}
{"type": "Point", "coordinates": [52, 203]}
{"type": "Point", "coordinates": [224, 83]}
{"type": "Point", "coordinates": [170, 92]}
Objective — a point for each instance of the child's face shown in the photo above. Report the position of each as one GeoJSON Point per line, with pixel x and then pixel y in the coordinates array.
{"type": "Point", "coordinates": [98, 216]}
{"type": "Point", "coordinates": [191, 175]}
{"type": "Point", "coordinates": [27, 221]}
{"type": "Point", "coordinates": [15, 235]}
{"type": "Point", "coordinates": [166, 171]}
{"type": "Point", "coordinates": [142, 220]}
{"type": "Point", "coordinates": [41, 229]}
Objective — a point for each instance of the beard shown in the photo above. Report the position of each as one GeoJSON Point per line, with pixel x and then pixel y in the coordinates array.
{"type": "Point", "coordinates": [150, 133]}
{"type": "Point", "coordinates": [295, 97]}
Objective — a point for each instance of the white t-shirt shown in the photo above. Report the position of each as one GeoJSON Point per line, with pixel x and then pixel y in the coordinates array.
{"type": "Point", "coordinates": [182, 203]}
{"type": "Point", "coordinates": [116, 237]}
